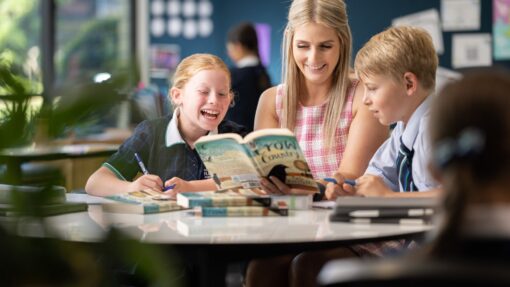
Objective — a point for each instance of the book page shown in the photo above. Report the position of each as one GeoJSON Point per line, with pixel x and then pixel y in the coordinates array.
{"type": "Point", "coordinates": [228, 162]}
{"type": "Point", "coordinates": [281, 156]}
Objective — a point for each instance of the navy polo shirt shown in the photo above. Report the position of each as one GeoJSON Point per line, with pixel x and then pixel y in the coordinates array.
{"type": "Point", "coordinates": [163, 151]}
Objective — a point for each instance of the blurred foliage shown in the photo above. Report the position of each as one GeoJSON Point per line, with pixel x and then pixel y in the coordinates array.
{"type": "Point", "coordinates": [94, 49]}
{"type": "Point", "coordinates": [19, 38]}
{"type": "Point", "coordinates": [75, 105]}
{"type": "Point", "coordinates": [33, 261]}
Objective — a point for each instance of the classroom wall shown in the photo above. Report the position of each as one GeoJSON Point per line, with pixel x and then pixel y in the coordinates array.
{"type": "Point", "coordinates": [367, 17]}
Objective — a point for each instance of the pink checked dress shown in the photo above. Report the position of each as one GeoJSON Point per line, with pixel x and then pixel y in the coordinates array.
{"type": "Point", "coordinates": [309, 133]}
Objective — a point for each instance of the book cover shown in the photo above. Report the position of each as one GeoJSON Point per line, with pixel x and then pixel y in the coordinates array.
{"type": "Point", "coordinates": [141, 202]}
{"type": "Point", "coordinates": [236, 162]}
{"type": "Point", "coordinates": [219, 199]}
{"type": "Point", "coordinates": [242, 211]}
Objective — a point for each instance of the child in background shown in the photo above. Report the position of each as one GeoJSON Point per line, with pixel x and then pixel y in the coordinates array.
{"type": "Point", "coordinates": [201, 96]}
{"type": "Point", "coordinates": [470, 135]}
{"type": "Point", "coordinates": [249, 76]}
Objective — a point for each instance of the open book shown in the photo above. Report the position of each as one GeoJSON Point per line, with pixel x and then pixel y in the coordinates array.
{"type": "Point", "coordinates": [234, 162]}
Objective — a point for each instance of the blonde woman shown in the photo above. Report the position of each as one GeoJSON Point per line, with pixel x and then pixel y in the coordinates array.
{"type": "Point", "coordinates": [322, 104]}
{"type": "Point", "coordinates": [317, 99]}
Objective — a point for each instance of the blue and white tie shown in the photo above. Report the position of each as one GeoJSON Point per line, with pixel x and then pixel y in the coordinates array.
{"type": "Point", "coordinates": [404, 165]}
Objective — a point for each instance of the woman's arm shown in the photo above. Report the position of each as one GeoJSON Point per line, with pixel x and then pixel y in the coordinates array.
{"type": "Point", "coordinates": [265, 116]}
{"type": "Point", "coordinates": [104, 182]}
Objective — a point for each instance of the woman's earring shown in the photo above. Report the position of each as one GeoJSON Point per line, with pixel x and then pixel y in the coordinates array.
{"type": "Point", "coordinates": [232, 103]}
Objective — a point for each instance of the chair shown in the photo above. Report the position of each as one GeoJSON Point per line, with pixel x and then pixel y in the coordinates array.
{"type": "Point", "coordinates": [417, 273]}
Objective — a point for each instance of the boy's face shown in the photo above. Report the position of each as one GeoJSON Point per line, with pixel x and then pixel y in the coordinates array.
{"type": "Point", "coordinates": [316, 50]}
{"type": "Point", "coordinates": [385, 98]}
{"type": "Point", "coordinates": [204, 101]}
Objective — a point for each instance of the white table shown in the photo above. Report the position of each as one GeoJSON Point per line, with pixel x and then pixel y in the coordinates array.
{"type": "Point", "coordinates": [216, 242]}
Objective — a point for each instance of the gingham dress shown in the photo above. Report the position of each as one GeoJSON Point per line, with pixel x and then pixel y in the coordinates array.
{"type": "Point", "coordinates": [309, 133]}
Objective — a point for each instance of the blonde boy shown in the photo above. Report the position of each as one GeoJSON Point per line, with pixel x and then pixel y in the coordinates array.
{"type": "Point", "coordinates": [397, 68]}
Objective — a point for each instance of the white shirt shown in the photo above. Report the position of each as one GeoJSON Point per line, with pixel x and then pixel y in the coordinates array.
{"type": "Point", "coordinates": [415, 135]}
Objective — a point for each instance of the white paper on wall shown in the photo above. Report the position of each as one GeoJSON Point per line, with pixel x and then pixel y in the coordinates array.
{"type": "Point", "coordinates": [471, 50]}
{"type": "Point", "coordinates": [428, 20]}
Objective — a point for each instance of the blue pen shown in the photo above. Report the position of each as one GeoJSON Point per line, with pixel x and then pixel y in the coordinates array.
{"type": "Point", "coordinates": [145, 171]}
{"type": "Point", "coordinates": [140, 164]}
{"type": "Point", "coordinates": [351, 182]}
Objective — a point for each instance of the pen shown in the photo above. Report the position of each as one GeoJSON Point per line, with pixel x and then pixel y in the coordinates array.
{"type": "Point", "coordinates": [140, 164]}
{"type": "Point", "coordinates": [351, 182]}
{"type": "Point", "coordinates": [145, 171]}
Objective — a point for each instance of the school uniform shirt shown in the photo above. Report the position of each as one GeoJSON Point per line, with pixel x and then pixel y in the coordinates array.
{"type": "Point", "coordinates": [416, 137]}
{"type": "Point", "coordinates": [163, 151]}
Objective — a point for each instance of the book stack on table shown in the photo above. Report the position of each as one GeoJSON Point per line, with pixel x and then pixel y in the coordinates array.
{"type": "Point", "coordinates": [385, 210]}
{"type": "Point", "coordinates": [239, 202]}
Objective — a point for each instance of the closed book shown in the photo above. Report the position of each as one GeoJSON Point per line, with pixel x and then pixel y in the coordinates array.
{"type": "Point", "coordinates": [242, 211]}
{"type": "Point", "coordinates": [384, 209]}
{"type": "Point", "coordinates": [401, 221]}
{"type": "Point", "coordinates": [294, 202]}
{"type": "Point", "coordinates": [220, 199]}
{"type": "Point", "coordinates": [141, 202]}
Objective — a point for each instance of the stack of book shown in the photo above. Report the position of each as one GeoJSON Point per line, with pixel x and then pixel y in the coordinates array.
{"type": "Point", "coordinates": [239, 202]}
{"type": "Point", "coordinates": [141, 202]}
{"type": "Point", "coordinates": [385, 210]}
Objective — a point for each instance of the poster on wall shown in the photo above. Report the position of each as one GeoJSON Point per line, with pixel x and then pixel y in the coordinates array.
{"type": "Point", "coordinates": [501, 29]}
{"type": "Point", "coordinates": [428, 20]}
{"type": "Point", "coordinates": [181, 18]}
{"type": "Point", "coordinates": [163, 60]}
{"type": "Point", "coordinates": [460, 15]}
{"type": "Point", "coordinates": [471, 50]}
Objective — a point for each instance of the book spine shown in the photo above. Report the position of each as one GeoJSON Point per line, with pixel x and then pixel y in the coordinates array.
{"type": "Point", "coordinates": [228, 201]}
{"type": "Point", "coordinates": [239, 211]}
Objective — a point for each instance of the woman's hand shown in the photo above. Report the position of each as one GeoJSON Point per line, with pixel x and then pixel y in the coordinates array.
{"type": "Point", "coordinates": [340, 188]}
{"type": "Point", "coordinates": [275, 186]}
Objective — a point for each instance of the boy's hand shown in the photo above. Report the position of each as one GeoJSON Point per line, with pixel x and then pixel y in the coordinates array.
{"type": "Point", "coordinates": [371, 185]}
{"type": "Point", "coordinates": [146, 181]}
{"type": "Point", "coordinates": [274, 186]}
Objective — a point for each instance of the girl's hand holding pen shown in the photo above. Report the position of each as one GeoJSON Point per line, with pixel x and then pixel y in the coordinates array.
{"type": "Point", "coordinates": [146, 181]}
{"type": "Point", "coordinates": [176, 185]}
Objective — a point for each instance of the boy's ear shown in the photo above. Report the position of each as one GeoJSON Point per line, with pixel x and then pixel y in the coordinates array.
{"type": "Point", "coordinates": [176, 95]}
{"type": "Point", "coordinates": [411, 82]}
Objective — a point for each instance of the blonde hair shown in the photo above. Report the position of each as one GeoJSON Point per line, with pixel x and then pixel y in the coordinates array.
{"type": "Point", "coordinates": [332, 14]}
{"type": "Point", "coordinates": [398, 50]}
{"type": "Point", "coordinates": [195, 63]}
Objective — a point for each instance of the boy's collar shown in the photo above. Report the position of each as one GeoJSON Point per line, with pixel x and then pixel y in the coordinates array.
{"type": "Point", "coordinates": [411, 130]}
{"type": "Point", "coordinates": [173, 135]}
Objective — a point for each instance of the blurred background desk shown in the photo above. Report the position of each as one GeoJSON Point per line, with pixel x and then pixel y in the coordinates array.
{"type": "Point", "coordinates": [211, 244]}
{"type": "Point", "coordinates": [15, 157]}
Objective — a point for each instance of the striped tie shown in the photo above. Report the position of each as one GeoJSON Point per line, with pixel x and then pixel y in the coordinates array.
{"type": "Point", "coordinates": [404, 165]}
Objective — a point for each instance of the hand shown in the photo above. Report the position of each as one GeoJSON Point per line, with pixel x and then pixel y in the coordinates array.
{"type": "Point", "coordinates": [371, 185]}
{"type": "Point", "coordinates": [274, 186]}
{"type": "Point", "coordinates": [146, 181]}
{"type": "Point", "coordinates": [179, 185]}
{"type": "Point", "coordinates": [334, 190]}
